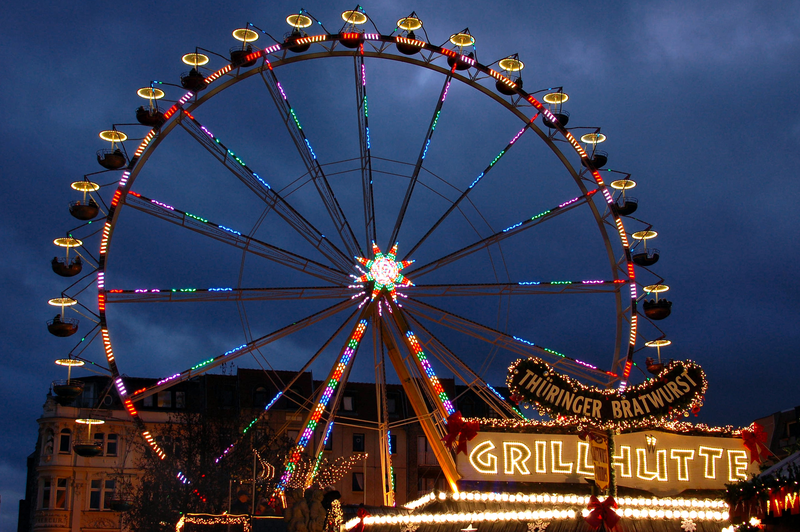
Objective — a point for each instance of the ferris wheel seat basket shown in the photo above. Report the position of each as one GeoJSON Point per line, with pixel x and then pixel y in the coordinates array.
{"type": "Point", "coordinates": [626, 206]}
{"type": "Point", "coordinates": [67, 392]}
{"type": "Point", "coordinates": [111, 159]}
{"type": "Point", "coordinates": [291, 37]}
{"type": "Point", "coordinates": [646, 258]}
{"type": "Point", "coordinates": [561, 116]}
{"type": "Point", "coordinates": [67, 269]}
{"type": "Point", "coordinates": [238, 56]}
{"type": "Point", "coordinates": [62, 327]}
{"type": "Point", "coordinates": [653, 367]}
{"type": "Point", "coordinates": [460, 65]}
{"type": "Point", "coordinates": [657, 310]}
{"type": "Point", "coordinates": [84, 211]}
{"type": "Point", "coordinates": [407, 48]}
{"type": "Point", "coordinates": [599, 159]}
{"type": "Point", "coordinates": [351, 43]}
{"type": "Point", "coordinates": [148, 117]}
{"type": "Point", "coordinates": [502, 88]}
{"type": "Point", "coordinates": [87, 449]}
{"type": "Point", "coordinates": [193, 81]}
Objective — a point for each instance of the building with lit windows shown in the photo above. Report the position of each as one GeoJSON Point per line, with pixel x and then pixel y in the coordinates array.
{"type": "Point", "coordinates": [69, 492]}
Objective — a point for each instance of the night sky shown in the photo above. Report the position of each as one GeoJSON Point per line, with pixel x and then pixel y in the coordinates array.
{"type": "Point", "coordinates": [699, 103]}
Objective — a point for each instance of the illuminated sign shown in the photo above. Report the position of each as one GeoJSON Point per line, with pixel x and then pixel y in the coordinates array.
{"type": "Point", "coordinates": [659, 462]}
{"type": "Point", "coordinates": [675, 390]}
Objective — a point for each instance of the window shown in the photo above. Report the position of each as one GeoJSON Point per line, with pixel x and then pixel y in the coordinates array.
{"type": "Point", "coordinates": [46, 488]}
{"type": "Point", "coordinates": [111, 444]}
{"type": "Point", "coordinates": [54, 494]}
{"type": "Point", "coordinates": [228, 397]}
{"type": "Point", "coordinates": [394, 403]}
{"type": "Point", "coordinates": [89, 396]}
{"type": "Point", "coordinates": [426, 485]}
{"type": "Point", "coordinates": [260, 397]}
{"type": "Point", "coordinates": [180, 399]}
{"type": "Point", "coordinates": [107, 442]}
{"type": "Point", "coordinates": [65, 442]}
{"type": "Point", "coordinates": [101, 492]}
{"type": "Point", "coordinates": [358, 481]}
{"type": "Point", "coordinates": [148, 401]}
{"type": "Point", "coordinates": [165, 399]}
{"type": "Point", "coordinates": [329, 443]}
{"type": "Point", "coordinates": [61, 494]}
{"type": "Point", "coordinates": [348, 404]}
{"type": "Point", "coordinates": [358, 443]}
{"type": "Point", "coordinates": [425, 455]}
{"type": "Point", "coordinates": [392, 443]}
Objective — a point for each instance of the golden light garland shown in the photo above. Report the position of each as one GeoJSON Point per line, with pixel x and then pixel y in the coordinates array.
{"type": "Point", "coordinates": [210, 519]}
{"type": "Point", "coordinates": [325, 473]}
{"type": "Point", "coordinates": [560, 426]}
{"type": "Point", "coordinates": [331, 472]}
{"type": "Point", "coordinates": [630, 507]}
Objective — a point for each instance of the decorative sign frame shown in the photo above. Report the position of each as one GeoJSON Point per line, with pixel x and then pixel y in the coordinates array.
{"type": "Point", "coordinates": [673, 393]}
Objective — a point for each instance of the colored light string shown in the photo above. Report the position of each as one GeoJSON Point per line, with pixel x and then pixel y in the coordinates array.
{"type": "Point", "coordinates": [426, 366]}
{"type": "Point", "coordinates": [347, 355]}
{"type": "Point", "coordinates": [562, 355]}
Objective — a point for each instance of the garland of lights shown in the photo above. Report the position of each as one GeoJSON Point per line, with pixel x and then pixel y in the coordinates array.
{"type": "Point", "coordinates": [680, 405]}
{"type": "Point", "coordinates": [327, 473]}
{"type": "Point", "coordinates": [562, 425]}
{"type": "Point", "coordinates": [208, 519]}
{"type": "Point", "coordinates": [548, 507]}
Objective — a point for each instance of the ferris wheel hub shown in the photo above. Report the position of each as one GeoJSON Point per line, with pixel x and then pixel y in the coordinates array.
{"type": "Point", "coordinates": [382, 272]}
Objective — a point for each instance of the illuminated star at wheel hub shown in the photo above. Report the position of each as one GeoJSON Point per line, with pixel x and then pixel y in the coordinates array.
{"type": "Point", "coordinates": [383, 271]}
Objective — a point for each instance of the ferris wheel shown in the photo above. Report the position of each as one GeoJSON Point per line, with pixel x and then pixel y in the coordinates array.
{"type": "Point", "coordinates": [348, 231]}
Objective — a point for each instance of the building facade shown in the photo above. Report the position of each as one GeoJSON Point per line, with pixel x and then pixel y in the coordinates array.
{"type": "Point", "coordinates": [68, 492]}
{"type": "Point", "coordinates": [783, 432]}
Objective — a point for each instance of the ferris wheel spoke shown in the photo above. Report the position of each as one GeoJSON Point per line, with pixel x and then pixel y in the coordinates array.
{"type": "Point", "coordinates": [258, 343]}
{"type": "Point", "coordinates": [512, 344]}
{"type": "Point", "coordinates": [365, 146]}
{"type": "Point", "coordinates": [303, 145]}
{"type": "Point", "coordinates": [413, 386]}
{"type": "Point", "coordinates": [422, 153]}
{"type": "Point", "coordinates": [515, 229]}
{"type": "Point", "coordinates": [466, 191]}
{"type": "Point", "coordinates": [198, 295]}
{"type": "Point", "coordinates": [521, 288]}
{"type": "Point", "coordinates": [263, 190]}
{"type": "Point", "coordinates": [233, 238]}
{"type": "Point", "coordinates": [336, 377]}
{"type": "Point", "coordinates": [467, 375]}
